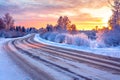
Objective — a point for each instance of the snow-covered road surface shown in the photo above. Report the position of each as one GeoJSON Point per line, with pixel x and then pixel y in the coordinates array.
{"type": "Point", "coordinates": [47, 62]}
{"type": "Point", "coordinates": [8, 68]}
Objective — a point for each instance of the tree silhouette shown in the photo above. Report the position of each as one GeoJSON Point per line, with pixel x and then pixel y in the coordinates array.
{"type": "Point", "coordinates": [8, 21]}
{"type": "Point", "coordinates": [23, 29]}
{"type": "Point", "coordinates": [2, 25]}
{"type": "Point", "coordinates": [49, 27]}
{"type": "Point", "coordinates": [63, 23]}
{"type": "Point", "coordinates": [72, 29]}
{"type": "Point", "coordinates": [115, 18]}
{"type": "Point", "coordinates": [112, 37]}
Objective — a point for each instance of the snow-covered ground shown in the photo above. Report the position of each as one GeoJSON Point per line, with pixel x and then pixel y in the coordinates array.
{"type": "Point", "coordinates": [8, 69]}
{"type": "Point", "coordinates": [113, 51]}
{"type": "Point", "coordinates": [58, 73]}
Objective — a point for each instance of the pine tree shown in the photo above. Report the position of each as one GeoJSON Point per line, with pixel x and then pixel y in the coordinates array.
{"type": "Point", "coordinates": [23, 29]}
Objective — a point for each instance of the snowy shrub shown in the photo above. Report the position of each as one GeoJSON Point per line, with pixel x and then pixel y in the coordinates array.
{"type": "Point", "coordinates": [109, 37]}
{"type": "Point", "coordinates": [100, 40]}
{"type": "Point", "coordinates": [45, 35]}
{"type": "Point", "coordinates": [52, 36]}
{"type": "Point", "coordinates": [112, 38]}
{"type": "Point", "coordinates": [78, 39]}
{"type": "Point", "coordinates": [60, 38]}
{"type": "Point", "coordinates": [68, 39]}
{"type": "Point", "coordinates": [81, 40]}
{"type": "Point", "coordinates": [11, 34]}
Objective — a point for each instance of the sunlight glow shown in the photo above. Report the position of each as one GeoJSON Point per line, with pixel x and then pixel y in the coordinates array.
{"type": "Point", "coordinates": [38, 13]}
{"type": "Point", "coordinates": [104, 13]}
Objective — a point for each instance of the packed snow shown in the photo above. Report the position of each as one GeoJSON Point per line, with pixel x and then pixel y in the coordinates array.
{"type": "Point", "coordinates": [78, 68]}
{"type": "Point", "coordinates": [112, 51]}
{"type": "Point", "coordinates": [8, 69]}
{"type": "Point", "coordinates": [42, 66]}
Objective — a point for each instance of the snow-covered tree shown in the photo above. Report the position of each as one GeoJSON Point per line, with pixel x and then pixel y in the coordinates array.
{"type": "Point", "coordinates": [49, 27]}
{"type": "Point", "coordinates": [63, 23]}
{"type": "Point", "coordinates": [8, 21]}
{"type": "Point", "coordinates": [115, 18]}
{"type": "Point", "coordinates": [60, 21]}
{"type": "Point", "coordinates": [72, 29]}
{"type": "Point", "coordinates": [112, 37]}
{"type": "Point", "coordinates": [67, 22]}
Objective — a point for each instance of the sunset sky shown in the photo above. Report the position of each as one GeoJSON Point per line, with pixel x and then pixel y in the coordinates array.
{"type": "Point", "coordinates": [86, 14]}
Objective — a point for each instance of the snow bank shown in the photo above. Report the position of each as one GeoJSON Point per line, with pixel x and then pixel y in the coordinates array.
{"type": "Point", "coordinates": [113, 51]}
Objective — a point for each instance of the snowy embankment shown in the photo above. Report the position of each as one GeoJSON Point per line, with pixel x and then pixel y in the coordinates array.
{"type": "Point", "coordinates": [112, 52]}
{"type": "Point", "coordinates": [8, 69]}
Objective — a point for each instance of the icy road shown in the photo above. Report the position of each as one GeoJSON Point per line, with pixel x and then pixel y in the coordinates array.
{"type": "Point", "coordinates": [48, 62]}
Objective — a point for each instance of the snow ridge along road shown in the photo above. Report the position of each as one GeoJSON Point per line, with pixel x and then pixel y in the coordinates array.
{"type": "Point", "coordinates": [47, 62]}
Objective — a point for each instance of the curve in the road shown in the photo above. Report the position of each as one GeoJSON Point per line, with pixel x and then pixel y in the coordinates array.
{"type": "Point", "coordinates": [38, 51]}
{"type": "Point", "coordinates": [108, 63]}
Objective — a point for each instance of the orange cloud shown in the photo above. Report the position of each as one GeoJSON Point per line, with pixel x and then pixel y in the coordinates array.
{"type": "Point", "coordinates": [38, 13]}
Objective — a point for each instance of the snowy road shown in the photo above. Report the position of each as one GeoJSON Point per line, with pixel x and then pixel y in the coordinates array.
{"type": "Point", "coordinates": [47, 62]}
{"type": "Point", "coordinates": [8, 69]}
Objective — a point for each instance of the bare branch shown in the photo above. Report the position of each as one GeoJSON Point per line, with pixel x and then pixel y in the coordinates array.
{"type": "Point", "coordinates": [110, 3]}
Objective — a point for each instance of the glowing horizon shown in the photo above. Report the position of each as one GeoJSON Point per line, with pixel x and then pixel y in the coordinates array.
{"type": "Point", "coordinates": [86, 14]}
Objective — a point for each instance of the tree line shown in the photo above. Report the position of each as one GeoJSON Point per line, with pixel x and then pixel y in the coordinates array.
{"type": "Point", "coordinates": [7, 28]}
